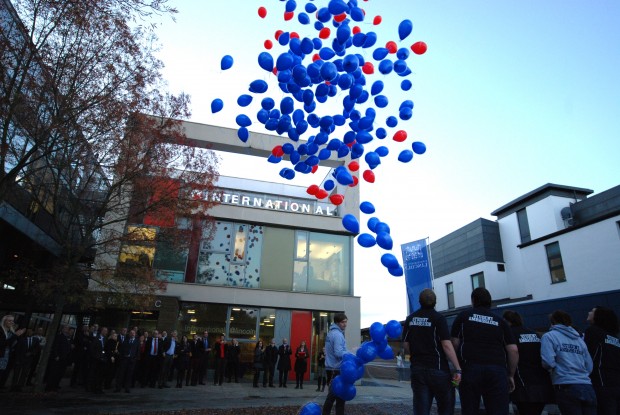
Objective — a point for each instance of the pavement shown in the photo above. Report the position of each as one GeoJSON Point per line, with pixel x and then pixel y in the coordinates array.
{"type": "Point", "coordinates": [70, 400]}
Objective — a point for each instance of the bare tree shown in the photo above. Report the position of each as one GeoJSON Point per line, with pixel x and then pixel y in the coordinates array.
{"type": "Point", "coordinates": [89, 137]}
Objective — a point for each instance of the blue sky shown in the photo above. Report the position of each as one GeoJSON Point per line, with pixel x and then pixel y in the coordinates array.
{"type": "Point", "coordinates": [510, 96]}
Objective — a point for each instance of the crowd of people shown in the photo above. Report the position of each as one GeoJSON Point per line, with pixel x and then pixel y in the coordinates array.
{"type": "Point", "coordinates": [102, 359]}
{"type": "Point", "coordinates": [496, 359]}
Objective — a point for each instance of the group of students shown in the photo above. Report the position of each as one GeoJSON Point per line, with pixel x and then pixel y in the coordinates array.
{"type": "Point", "coordinates": [268, 358]}
{"type": "Point", "coordinates": [496, 359]}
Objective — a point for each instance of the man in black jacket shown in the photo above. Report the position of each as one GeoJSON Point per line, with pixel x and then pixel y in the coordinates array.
{"type": "Point", "coordinates": [271, 358]}
{"type": "Point", "coordinates": [128, 352]}
{"type": "Point", "coordinates": [59, 359]}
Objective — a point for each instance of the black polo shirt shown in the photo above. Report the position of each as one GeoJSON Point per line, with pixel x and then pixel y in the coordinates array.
{"type": "Point", "coordinates": [483, 337]}
{"type": "Point", "coordinates": [424, 331]}
{"type": "Point", "coordinates": [605, 351]}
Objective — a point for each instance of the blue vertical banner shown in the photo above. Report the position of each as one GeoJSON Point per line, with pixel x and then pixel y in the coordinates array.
{"type": "Point", "coordinates": [417, 271]}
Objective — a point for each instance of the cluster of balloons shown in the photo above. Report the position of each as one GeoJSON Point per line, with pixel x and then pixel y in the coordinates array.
{"type": "Point", "coordinates": [352, 368]}
{"type": "Point", "coordinates": [336, 62]}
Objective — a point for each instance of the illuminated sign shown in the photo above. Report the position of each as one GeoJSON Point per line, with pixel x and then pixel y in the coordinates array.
{"type": "Point", "coordinates": [272, 203]}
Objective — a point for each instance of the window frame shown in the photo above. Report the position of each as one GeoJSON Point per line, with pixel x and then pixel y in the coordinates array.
{"type": "Point", "coordinates": [450, 295]}
{"type": "Point", "coordinates": [553, 268]}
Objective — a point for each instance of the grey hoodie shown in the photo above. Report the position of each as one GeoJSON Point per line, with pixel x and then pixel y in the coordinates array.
{"type": "Point", "coordinates": [565, 355]}
{"type": "Point", "coordinates": [335, 347]}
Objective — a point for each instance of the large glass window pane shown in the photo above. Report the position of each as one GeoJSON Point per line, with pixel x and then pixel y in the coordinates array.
{"type": "Point", "coordinates": [450, 292]}
{"type": "Point", "coordinates": [212, 269]}
{"type": "Point", "coordinates": [267, 323]}
{"type": "Point", "coordinates": [243, 323]}
{"type": "Point", "coordinates": [171, 254]}
{"type": "Point", "coordinates": [198, 317]}
{"type": "Point", "coordinates": [328, 265]}
{"type": "Point", "coordinates": [300, 276]}
{"type": "Point", "coordinates": [477, 280]}
{"type": "Point", "coordinates": [524, 226]}
{"type": "Point", "coordinates": [301, 249]}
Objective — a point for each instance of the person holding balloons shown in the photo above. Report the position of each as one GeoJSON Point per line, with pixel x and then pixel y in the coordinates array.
{"type": "Point", "coordinates": [335, 348]}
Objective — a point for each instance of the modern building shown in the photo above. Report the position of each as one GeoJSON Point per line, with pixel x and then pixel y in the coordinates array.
{"type": "Point", "coordinates": [556, 247]}
{"type": "Point", "coordinates": [277, 263]}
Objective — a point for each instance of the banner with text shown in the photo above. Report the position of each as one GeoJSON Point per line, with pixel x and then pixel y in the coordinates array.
{"type": "Point", "coordinates": [417, 271]}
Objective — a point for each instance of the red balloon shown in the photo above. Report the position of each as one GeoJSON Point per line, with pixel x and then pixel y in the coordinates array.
{"type": "Point", "coordinates": [312, 189]}
{"type": "Point", "coordinates": [324, 33]}
{"type": "Point", "coordinates": [294, 34]}
{"type": "Point", "coordinates": [369, 176]}
{"type": "Point", "coordinates": [274, 70]}
{"type": "Point", "coordinates": [400, 136]}
{"type": "Point", "coordinates": [278, 33]}
{"type": "Point", "coordinates": [321, 194]}
{"type": "Point", "coordinates": [355, 181]}
{"type": "Point", "coordinates": [316, 57]}
{"type": "Point", "coordinates": [277, 151]}
{"type": "Point", "coordinates": [354, 166]}
{"type": "Point", "coordinates": [339, 18]}
{"type": "Point", "coordinates": [419, 48]}
{"type": "Point", "coordinates": [268, 44]}
{"type": "Point", "coordinates": [288, 15]}
{"type": "Point", "coordinates": [262, 12]}
{"type": "Point", "coordinates": [315, 168]}
{"type": "Point", "coordinates": [368, 68]}
{"type": "Point", "coordinates": [356, 30]}
{"type": "Point", "coordinates": [377, 20]}
{"type": "Point", "coordinates": [391, 46]}
{"type": "Point", "coordinates": [336, 199]}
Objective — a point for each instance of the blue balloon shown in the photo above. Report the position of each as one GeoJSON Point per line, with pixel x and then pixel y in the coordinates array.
{"type": "Point", "coordinates": [372, 224]}
{"type": "Point", "coordinates": [344, 178]}
{"type": "Point", "coordinates": [348, 371]}
{"type": "Point", "coordinates": [243, 134]}
{"type": "Point", "coordinates": [244, 100]}
{"type": "Point", "coordinates": [350, 223]}
{"type": "Point", "coordinates": [265, 61]}
{"type": "Point", "coordinates": [382, 227]}
{"type": "Point", "coordinates": [405, 85]}
{"type": "Point", "coordinates": [400, 66]}
{"type": "Point", "coordinates": [405, 113]}
{"type": "Point", "coordinates": [402, 53]}
{"type": "Point", "coordinates": [376, 88]}
{"type": "Point", "coordinates": [243, 120]}
{"type": "Point", "coordinates": [258, 86]}
{"type": "Point", "coordinates": [336, 7]}
{"type": "Point", "coordinates": [367, 352]}
{"type": "Point", "coordinates": [226, 63]}
{"type": "Point", "coordinates": [350, 63]}
{"type": "Point", "coordinates": [326, 53]}
{"type": "Point", "coordinates": [366, 240]}
{"type": "Point", "coordinates": [405, 156]}
{"type": "Point", "coordinates": [381, 101]}
{"type": "Point", "coordinates": [418, 147]}
{"type": "Point", "coordinates": [384, 240]}
{"type": "Point", "coordinates": [381, 133]}
{"type": "Point", "coordinates": [303, 18]}
{"type": "Point", "coordinates": [382, 151]}
{"type": "Point", "coordinates": [396, 272]}
{"type": "Point", "coordinates": [391, 121]}
{"type": "Point", "coordinates": [328, 185]}
{"type": "Point", "coordinates": [404, 28]}
{"type": "Point", "coordinates": [216, 105]}
{"type": "Point", "coordinates": [310, 7]}
{"type": "Point", "coordinates": [311, 408]}
{"type": "Point", "coordinates": [287, 173]}
{"type": "Point", "coordinates": [380, 53]}
{"type": "Point", "coordinates": [369, 40]}
{"type": "Point", "coordinates": [387, 353]}
{"type": "Point", "coordinates": [377, 332]}
{"type": "Point", "coordinates": [389, 261]}
{"type": "Point", "coordinates": [343, 33]}
{"type": "Point", "coordinates": [268, 103]}
{"type": "Point", "coordinates": [273, 159]}
{"type": "Point", "coordinates": [372, 159]}
{"type": "Point", "coordinates": [393, 329]}
{"type": "Point", "coordinates": [329, 71]}
{"type": "Point", "coordinates": [284, 61]}
{"type": "Point", "coordinates": [287, 105]}
{"type": "Point", "coordinates": [386, 66]}
{"type": "Point", "coordinates": [367, 207]}
{"type": "Point", "coordinates": [349, 392]}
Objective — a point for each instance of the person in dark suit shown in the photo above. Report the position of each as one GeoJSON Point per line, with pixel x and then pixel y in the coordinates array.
{"type": "Point", "coordinates": [284, 364]}
{"type": "Point", "coordinates": [97, 361]}
{"type": "Point", "coordinates": [80, 356]}
{"type": "Point", "coordinates": [181, 363]}
{"type": "Point", "coordinates": [197, 360]}
{"type": "Point", "coordinates": [153, 358]}
{"type": "Point", "coordinates": [234, 352]}
{"type": "Point", "coordinates": [128, 354]}
{"type": "Point", "coordinates": [25, 351]}
{"type": "Point", "coordinates": [59, 359]}
{"type": "Point", "coordinates": [168, 347]}
{"type": "Point", "coordinates": [271, 358]}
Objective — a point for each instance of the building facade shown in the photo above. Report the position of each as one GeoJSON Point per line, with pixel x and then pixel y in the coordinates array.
{"type": "Point", "coordinates": [275, 262]}
{"type": "Point", "coordinates": [556, 247]}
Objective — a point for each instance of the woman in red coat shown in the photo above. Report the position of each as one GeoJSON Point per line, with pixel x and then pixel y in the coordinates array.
{"type": "Point", "coordinates": [301, 364]}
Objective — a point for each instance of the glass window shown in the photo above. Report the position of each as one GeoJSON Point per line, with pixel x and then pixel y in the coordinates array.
{"type": "Point", "coordinates": [450, 292]}
{"type": "Point", "coordinates": [326, 269]}
{"type": "Point", "coordinates": [267, 323]}
{"type": "Point", "coordinates": [140, 246]}
{"type": "Point", "coordinates": [524, 226]}
{"type": "Point", "coordinates": [477, 280]}
{"type": "Point", "coordinates": [198, 317]}
{"type": "Point", "coordinates": [556, 266]}
{"type": "Point", "coordinates": [171, 254]}
{"type": "Point", "coordinates": [243, 323]}
{"type": "Point", "coordinates": [230, 255]}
